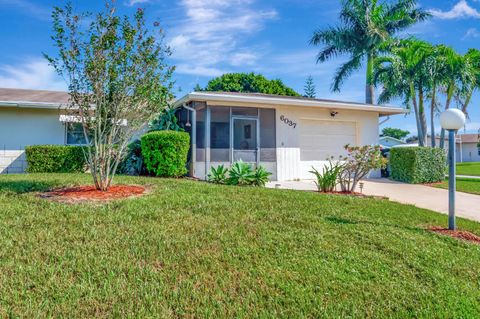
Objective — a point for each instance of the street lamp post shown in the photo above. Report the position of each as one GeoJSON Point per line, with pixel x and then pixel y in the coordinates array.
{"type": "Point", "coordinates": [451, 120]}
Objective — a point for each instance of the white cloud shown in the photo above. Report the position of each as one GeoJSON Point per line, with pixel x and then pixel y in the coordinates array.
{"type": "Point", "coordinates": [461, 10]}
{"type": "Point", "coordinates": [471, 33]}
{"type": "Point", "coordinates": [131, 3]}
{"type": "Point", "coordinates": [29, 8]}
{"type": "Point", "coordinates": [211, 35]}
{"type": "Point", "coordinates": [33, 74]}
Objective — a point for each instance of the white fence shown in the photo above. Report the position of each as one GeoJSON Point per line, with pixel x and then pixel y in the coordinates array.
{"type": "Point", "coordinates": [12, 160]}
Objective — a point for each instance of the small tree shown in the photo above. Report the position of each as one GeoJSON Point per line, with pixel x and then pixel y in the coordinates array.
{"type": "Point", "coordinates": [117, 76]}
{"type": "Point", "coordinates": [359, 161]}
{"type": "Point", "coordinates": [309, 88]}
{"type": "Point", "coordinates": [395, 133]}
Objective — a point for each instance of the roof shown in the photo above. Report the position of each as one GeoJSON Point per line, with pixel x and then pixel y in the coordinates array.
{"type": "Point", "coordinates": [32, 98]}
{"type": "Point", "coordinates": [469, 138]}
{"type": "Point", "coordinates": [391, 138]}
{"type": "Point", "coordinates": [270, 99]}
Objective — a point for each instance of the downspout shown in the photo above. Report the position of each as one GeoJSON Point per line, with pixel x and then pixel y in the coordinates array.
{"type": "Point", "coordinates": [193, 156]}
{"type": "Point", "coordinates": [384, 121]}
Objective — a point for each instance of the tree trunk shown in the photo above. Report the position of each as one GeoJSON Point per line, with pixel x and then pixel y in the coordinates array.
{"type": "Point", "coordinates": [433, 141]}
{"type": "Point", "coordinates": [369, 88]}
{"type": "Point", "coordinates": [423, 117]}
{"type": "Point", "coordinates": [447, 106]}
{"type": "Point", "coordinates": [415, 109]}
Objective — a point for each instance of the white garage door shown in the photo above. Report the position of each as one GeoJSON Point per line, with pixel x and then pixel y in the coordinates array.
{"type": "Point", "coordinates": [321, 139]}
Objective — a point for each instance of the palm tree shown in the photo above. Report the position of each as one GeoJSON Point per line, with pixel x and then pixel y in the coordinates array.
{"type": "Point", "coordinates": [403, 74]}
{"type": "Point", "coordinates": [366, 25]}
{"type": "Point", "coordinates": [457, 74]}
{"type": "Point", "coordinates": [471, 82]}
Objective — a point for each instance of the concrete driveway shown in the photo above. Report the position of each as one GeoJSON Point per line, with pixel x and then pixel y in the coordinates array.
{"type": "Point", "coordinates": [468, 205]}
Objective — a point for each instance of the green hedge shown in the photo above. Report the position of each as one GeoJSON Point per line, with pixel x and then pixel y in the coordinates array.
{"type": "Point", "coordinates": [55, 159]}
{"type": "Point", "coordinates": [165, 153]}
{"type": "Point", "coordinates": [417, 165]}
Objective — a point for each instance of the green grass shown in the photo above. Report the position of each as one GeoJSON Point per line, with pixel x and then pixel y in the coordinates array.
{"type": "Point", "coordinates": [466, 185]}
{"type": "Point", "coordinates": [190, 249]}
{"type": "Point", "coordinates": [471, 169]}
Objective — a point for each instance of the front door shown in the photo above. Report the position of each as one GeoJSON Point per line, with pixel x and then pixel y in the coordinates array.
{"type": "Point", "coordinates": [245, 140]}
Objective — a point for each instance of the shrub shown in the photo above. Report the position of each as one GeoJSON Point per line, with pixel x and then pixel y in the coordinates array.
{"type": "Point", "coordinates": [417, 164]}
{"type": "Point", "coordinates": [261, 176]}
{"type": "Point", "coordinates": [133, 164]}
{"type": "Point", "coordinates": [327, 180]}
{"type": "Point", "coordinates": [55, 159]}
{"type": "Point", "coordinates": [241, 174]}
{"type": "Point", "coordinates": [359, 161]}
{"type": "Point", "coordinates": [165, 153]}
{"type": "Point", "coordinates": [218, 175]}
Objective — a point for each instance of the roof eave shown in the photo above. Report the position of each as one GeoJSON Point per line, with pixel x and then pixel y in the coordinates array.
{"type": "Point", "coordinates": [33, 105]}
{"type": "Point", "coordinates": [200, 96]}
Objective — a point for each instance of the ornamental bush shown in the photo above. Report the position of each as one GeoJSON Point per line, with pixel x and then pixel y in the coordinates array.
{"type": "Point", "coordinates": [165, 153]}
{"type": "Point", "coordinates": [417, 165]}
{"type": "Point", "coordinates": [55, 159]}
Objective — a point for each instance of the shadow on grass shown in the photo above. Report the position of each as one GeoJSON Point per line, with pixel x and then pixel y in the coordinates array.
{"type": "Point", "coordinates": [25, 186]}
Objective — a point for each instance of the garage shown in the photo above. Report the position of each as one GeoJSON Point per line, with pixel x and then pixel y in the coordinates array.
{"type": "Point", "coordinates": [320, 139]}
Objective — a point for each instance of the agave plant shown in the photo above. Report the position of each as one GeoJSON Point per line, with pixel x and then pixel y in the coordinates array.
{"type": "Point", "coordinates": [241, 174]}
{"type": "Point", "coordinates": [261, 176]}
{"type": "Point", "coordinates": [218, 175]}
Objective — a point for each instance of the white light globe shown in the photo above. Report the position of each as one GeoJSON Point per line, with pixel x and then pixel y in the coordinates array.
{"type": "Point", "coordinates": [452, 119]}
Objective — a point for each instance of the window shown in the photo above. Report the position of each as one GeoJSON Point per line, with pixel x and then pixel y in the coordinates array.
{"type": "Point", "coordinates": [75, 134]}
{"type": "Point", "coordinates": [267, 136]}
{"type": "Point", "coordinates": [220, 134]}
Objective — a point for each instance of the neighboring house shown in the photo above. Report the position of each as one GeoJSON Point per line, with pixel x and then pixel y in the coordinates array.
{"type": "Point", "coordinates": [388, 142]}
{"type": "Point", "coordinates": [29, 117]}
{"type": "Point", "coordinates": [286, 135]}
{"type": "Point", "coordinates": [468, 146]}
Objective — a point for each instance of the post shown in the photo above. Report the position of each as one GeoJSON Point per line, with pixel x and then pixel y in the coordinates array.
{"type": "Point", "coordinates": [451, 180]}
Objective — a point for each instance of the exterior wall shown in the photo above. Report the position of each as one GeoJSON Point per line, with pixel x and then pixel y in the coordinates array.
{"type": "Point", "coordinates": [24, 127]}
{"type": "Point", "coordinates": [289, 165]}
{"type": "Point", "coordinates": [469, 153]}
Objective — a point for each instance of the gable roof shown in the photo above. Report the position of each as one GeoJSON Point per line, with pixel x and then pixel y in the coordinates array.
{"type": "Point", "coordinates": [270, 99]}
{"type": "Point", "coordinates": [383, 138]}
{"type": "Point", "coordinates": [33, 98]}
{"type": "Point", "coordinates": [469, 138]}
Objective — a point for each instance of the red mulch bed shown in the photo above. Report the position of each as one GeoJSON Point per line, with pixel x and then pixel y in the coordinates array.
{"type": "Point", "coordinates": [459, 234]}
{"type": "Point", "coordinates": [90, 193]}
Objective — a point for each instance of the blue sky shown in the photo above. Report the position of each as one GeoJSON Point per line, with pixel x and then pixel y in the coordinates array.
{"type": "Point", "coordinates": [211, 37]}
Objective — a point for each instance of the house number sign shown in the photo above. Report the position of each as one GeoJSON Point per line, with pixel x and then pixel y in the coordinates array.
{"type": "Point", "coordinates": [288, 121]}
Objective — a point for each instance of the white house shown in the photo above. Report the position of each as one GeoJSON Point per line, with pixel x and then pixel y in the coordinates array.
{"type": "Point", "coordinates": [287, 135]}
{"type": "Point", "coordinates": [388, 141]}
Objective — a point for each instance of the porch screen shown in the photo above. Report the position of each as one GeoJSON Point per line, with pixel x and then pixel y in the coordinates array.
{"type": "Point", "coordinates": [220, 134]}
{"type": "Point", "coordinates": [267, 135]}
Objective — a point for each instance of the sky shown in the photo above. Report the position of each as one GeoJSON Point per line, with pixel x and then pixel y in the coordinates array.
{"type": "Point", "coordinates": [212, 37]}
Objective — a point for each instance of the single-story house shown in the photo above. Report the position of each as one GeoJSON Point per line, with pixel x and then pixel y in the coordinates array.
{"type": "Point", "coordinates": [388, 142]}
{"type": "Point", "coordinates": [287, 135]}
{"type": "Point", "coordinates": [467, 146]}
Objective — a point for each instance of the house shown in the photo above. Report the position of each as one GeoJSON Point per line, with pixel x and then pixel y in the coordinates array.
{"type": "Point", "coordinates": [29, 117]}
{"type": "Point", "coordinates": [388, 142]}
{"type": "Point", "coordinates": [468, 147]}
{"type": "Point", "coordinates": [286, 135]}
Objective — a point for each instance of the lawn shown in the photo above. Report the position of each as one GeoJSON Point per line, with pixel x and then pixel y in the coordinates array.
{"type": "Point", "coordinates": [190, 249]}
{"type": "Point", "coordinates": [471, 169]}
{"type": "Point", "coordinates": [466, 185]}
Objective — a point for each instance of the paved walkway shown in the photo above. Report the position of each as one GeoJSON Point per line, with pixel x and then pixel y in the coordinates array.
{"type": "Point", "coordinates": [436, 199]}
